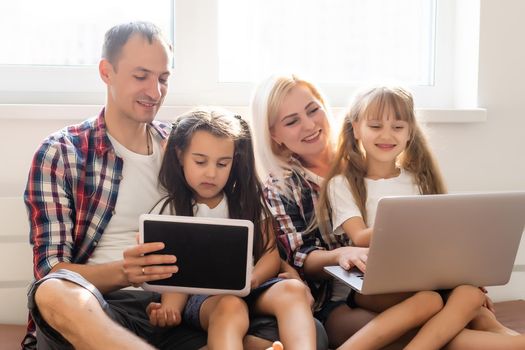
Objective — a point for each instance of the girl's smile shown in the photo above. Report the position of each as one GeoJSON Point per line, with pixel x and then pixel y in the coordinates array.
{"type": "Point", "coordinates": [386, 146]}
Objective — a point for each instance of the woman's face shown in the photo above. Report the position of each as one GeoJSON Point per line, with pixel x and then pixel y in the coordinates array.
{"type": "Point", "coordinates": [301, 124]}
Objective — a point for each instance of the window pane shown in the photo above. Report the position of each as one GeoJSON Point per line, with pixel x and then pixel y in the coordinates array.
{"type": "Point", "coordinates": [65, 32]}
{"type": "Point", "coordinates": [331, 41]}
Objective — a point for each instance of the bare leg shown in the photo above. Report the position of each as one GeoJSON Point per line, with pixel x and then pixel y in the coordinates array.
{"type": "Point", "coordinates": [469, 339]}
{"type": "Point", "coordinates": [225, 317]}
{"type": "Point", "coordinates": [487, 321]}
{"type": "Point", "coordinates": [396, 321]}
{"type": "Point", "coordinates": [461, 307]}
{"type": "Point", "coordinates": [288, 302]}
{"type": "Point", "coordinates": [76, 314]}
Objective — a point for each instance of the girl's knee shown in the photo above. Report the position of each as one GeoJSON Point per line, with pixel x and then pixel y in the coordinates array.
{"type": "Point", "coordinates": [230, 305]}
{"type": "Point", "coordinates": [229, 311]}
{"type": "Point", "coordinates": [291, 289]}
{"type": "Point", "coordinates": [468, 295]}
{"type": "Point", "coordinates": [428, 301]}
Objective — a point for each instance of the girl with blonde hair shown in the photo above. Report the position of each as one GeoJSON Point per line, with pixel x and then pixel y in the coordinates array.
{"type": "Point", "coordinates": [383, 152]}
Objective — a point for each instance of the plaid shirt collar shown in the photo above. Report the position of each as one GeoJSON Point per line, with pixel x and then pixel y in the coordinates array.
{"type": "Point", "coordinates": [100, 134]}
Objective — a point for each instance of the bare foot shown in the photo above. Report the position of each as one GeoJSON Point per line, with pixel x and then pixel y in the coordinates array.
{"type": "Point", "coordinates": [486, 321]}
{"type": "Point", "coordinates": [277, 345]}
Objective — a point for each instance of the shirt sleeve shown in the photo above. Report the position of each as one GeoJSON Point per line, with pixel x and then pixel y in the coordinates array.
{"type": "Point", "coordinates": [49, 206]}
{"type": "Point", "coordinates": [342, 202]}
{"type": "Point", "coordinates": [294, 233]}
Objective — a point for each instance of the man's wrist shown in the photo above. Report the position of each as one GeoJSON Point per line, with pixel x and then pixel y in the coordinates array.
{"type": "Point", "coordinates": [123, 281]}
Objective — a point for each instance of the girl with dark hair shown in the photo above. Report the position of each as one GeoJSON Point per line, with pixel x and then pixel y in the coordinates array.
{"type": "Point", "coordinates": [209, 170]}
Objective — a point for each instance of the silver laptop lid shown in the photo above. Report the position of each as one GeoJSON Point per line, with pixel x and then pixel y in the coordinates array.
{"type": "Point", "coordinates": [442, 241]}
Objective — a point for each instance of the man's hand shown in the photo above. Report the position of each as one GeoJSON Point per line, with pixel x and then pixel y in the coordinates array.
{"type": "Point", "coordinates": [353, 256]}
{"type": "Point", "coordinates": [139, 268]}
{"type": "Point", "coordinates": [162, 316]}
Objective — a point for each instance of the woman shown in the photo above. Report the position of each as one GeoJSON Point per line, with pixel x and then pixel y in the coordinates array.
{"type": "Point", "coordinates": [293, 141]}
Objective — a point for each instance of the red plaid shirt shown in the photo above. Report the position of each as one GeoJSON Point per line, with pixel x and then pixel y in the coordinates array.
{"type": "Point", "coordinates": [71, 194]}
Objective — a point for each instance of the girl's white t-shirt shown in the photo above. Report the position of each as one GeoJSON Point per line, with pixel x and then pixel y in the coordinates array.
{"type": "Point", "coordinates": [344, 207]}
{"type": "Point", "coordinates": [138, 192]}
{"type": "Point", "coordinates": [200, 209]}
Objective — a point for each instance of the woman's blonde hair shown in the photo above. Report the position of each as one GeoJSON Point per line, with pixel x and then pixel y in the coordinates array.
{"type": "Point", "coordinates": [350, 159]}
{"type": "Point", "coordinates": [266, 102]}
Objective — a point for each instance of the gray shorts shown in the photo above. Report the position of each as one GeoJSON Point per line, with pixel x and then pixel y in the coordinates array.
{"type": "Point", "coordinates": [127, 308]}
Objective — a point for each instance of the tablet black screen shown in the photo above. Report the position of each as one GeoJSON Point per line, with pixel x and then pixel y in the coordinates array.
{"type": "Point", "coordinates": [208, 255]}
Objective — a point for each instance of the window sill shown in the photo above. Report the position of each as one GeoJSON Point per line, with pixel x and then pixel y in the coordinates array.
{"type": "Point", "coordinates": [81, 112]}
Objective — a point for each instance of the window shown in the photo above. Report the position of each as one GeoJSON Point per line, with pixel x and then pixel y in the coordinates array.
{"type": "Point", "coordinates": [51, 48]}
{"type": "Point", "coordinates": [334, 41]}
{"type": "Point", "coordinates": [223, 47]}
{"type": "Point", "coordinates": [67, 33]}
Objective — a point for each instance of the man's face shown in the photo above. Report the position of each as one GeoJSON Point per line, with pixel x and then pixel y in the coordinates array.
{"type": "Point", "coordinates": [138, 80]}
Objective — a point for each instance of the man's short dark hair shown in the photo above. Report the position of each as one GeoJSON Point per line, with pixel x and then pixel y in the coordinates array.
{"type": "Point", "coordinates": [117, 37]}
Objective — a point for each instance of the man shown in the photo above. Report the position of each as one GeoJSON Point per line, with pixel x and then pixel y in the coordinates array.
{"type": "Point", "coordinates": [87, 186]}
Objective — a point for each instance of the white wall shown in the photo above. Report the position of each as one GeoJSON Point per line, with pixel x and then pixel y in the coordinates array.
{"type": "Point", "coordinates": [484, 156]}
{"type": "Point", "coordinates": [489, 155]}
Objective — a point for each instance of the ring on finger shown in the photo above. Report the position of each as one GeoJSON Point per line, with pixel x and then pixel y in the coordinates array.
{"type": "Point", "coordinates": [143, 272]}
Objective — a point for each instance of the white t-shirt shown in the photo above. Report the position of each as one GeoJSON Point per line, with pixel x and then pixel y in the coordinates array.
{"type": "Point", "coordinates": [138, 192]}
{"type": "Point", "coordinates": [201, 210]}
{"type": "Point", "coordinates": [344, 207]}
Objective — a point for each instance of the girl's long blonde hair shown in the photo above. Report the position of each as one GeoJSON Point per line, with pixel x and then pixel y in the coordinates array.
{"type": "Point", "coordinates": [350, 158]}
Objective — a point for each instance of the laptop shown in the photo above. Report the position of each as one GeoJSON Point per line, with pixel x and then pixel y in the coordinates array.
{"type": "Point", "coordinates": [439, 242]}
{"type": "Point", "coordinates": [214, 255]}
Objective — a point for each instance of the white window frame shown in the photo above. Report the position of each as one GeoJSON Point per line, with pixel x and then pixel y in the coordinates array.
{"type": "Point", "coordinates": [194, 80]}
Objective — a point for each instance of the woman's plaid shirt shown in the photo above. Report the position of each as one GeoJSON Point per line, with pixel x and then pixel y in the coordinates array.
{"type": "Point", "coordinates": [292, 202]}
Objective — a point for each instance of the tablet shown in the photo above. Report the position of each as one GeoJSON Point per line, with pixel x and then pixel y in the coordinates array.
{"type": "Point", "coordinates": [214, 255]}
